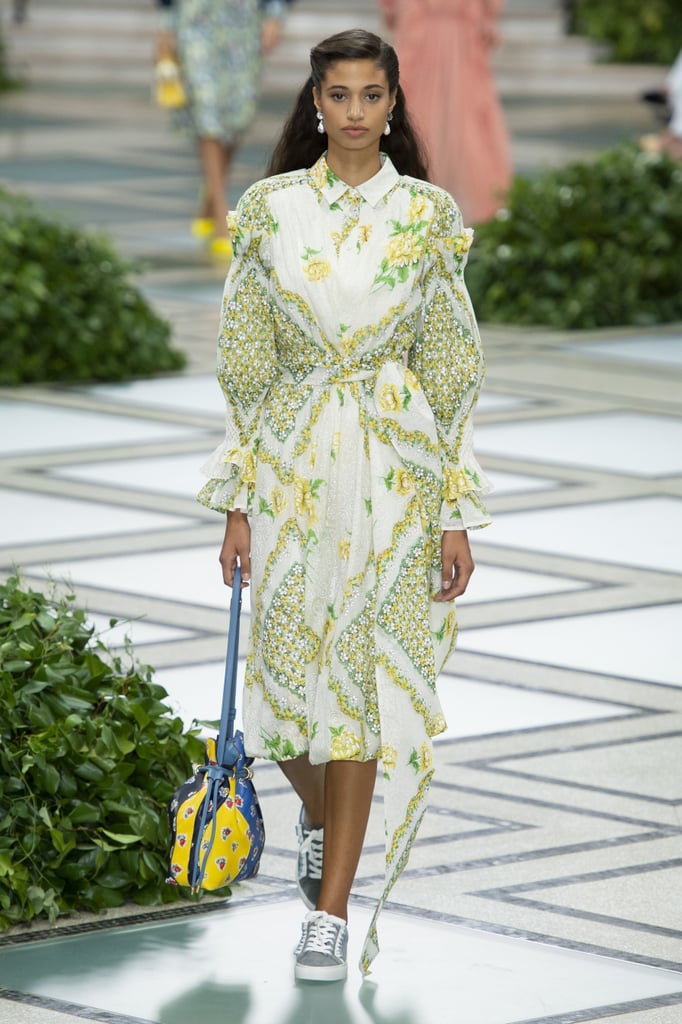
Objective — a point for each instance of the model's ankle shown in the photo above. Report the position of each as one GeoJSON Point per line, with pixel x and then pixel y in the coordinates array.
{"type": "Point", "coordinates": [313, 817]}
{"type": "Point", "coordinates": [333, 909]}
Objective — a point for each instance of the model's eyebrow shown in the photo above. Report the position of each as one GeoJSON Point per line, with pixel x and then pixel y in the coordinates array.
{"type": "Point", "coordinates": [332, 88]}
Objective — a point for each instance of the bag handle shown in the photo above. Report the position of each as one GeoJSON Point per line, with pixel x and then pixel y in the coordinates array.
{"type": "Point", "coordinates": [226, 752]}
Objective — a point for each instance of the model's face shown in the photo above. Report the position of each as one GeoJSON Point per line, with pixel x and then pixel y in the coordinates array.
{"type": "Point", "coordinates": [355, 102]}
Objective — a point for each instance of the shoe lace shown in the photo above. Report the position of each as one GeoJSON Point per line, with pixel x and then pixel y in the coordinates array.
{"type": "Point", "coordinates": [322, 935]}
{"type": "Point", "coordinates": [312, 846]}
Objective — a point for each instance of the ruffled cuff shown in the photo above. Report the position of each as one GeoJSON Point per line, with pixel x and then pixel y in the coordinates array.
{"type": "Point", "coordinates": [231, 476]}
{"type": "Point", "coordinates": [463, 488]}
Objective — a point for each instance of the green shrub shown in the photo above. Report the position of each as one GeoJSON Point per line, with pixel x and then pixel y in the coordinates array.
{"type": "Point", "coordinates": [6, 79]}
{"type": "Point", "coordinates": [68, 311]}
{"type": "Point", "coordinates": [595, 244]}
{"type": "Point", "coordinates": [89, 757]}
{"type": "Point", "coordinates": [638, 30]}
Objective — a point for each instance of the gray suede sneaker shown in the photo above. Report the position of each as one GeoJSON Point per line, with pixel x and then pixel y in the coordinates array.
{"type": "Point", "coordinates": [309, 866]}
{"type": "Point", "coordinates": [321, 951]}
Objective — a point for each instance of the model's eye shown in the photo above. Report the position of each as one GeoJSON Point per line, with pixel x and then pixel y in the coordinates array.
{"type": "Point", "coordinates": [338, 96]}
{"type": "Point", "coordinates": [373, 97]}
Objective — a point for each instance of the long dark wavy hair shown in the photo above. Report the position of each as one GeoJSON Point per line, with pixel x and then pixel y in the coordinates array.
{"type": "Point", "coordinates": [300, 144]}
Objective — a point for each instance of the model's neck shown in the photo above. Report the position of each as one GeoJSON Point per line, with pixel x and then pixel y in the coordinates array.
{"type": "Point", "coordinates": [353, 168]}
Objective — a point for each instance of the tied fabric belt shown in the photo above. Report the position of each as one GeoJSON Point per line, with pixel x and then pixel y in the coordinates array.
{"type": "Point", "coordinates": [327, 376]}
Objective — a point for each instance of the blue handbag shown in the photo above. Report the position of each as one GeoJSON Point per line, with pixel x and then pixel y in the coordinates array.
{"type": "Point", "coordinates": [215, 820]}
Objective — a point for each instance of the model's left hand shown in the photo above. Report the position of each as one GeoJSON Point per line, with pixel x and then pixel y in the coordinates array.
{"type": "Point", "coordinates": [270, 34]}
{"type": "Point", "coordinates": [458, 564]}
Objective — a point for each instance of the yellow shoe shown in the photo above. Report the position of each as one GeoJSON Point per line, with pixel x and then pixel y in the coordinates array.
{"type": "Point", "coordinates": [203, 227]}
{"type": "Point", "coordinates": [221, 248]}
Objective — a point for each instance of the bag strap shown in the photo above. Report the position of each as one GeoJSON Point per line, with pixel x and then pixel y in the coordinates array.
{"type": "Point", "coordinates": [226, 754]}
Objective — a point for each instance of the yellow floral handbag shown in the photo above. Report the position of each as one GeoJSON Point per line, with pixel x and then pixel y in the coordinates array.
{"type": "Point", "coordinates": [169, 90]}
{"type": "Point", "coordinates": [216, 824]}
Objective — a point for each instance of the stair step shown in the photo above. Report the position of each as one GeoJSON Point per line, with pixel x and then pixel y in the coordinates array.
{"type": "Point", "coordinates": [94, 40]}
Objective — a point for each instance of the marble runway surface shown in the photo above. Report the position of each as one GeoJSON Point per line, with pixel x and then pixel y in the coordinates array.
{"type": "Point", "coordinates": [545, 884]}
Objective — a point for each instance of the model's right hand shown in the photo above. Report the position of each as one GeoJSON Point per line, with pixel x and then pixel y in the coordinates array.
{"type": "Point", "coordinates": [165, 45]}
{"type": "Point", "coordinates": [236, 547]}
{"type": "Point", "coordinates": [270, 34]}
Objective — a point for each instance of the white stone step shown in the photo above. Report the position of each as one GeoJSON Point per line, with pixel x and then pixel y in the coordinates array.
{"type": "Point", "coordinates": [105, 42]}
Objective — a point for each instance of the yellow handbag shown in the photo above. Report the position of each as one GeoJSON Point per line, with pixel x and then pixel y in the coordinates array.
{"type": "Point", "coordinates": [168, 88]}
{"type": "Point", "coordinates": [216, 824]}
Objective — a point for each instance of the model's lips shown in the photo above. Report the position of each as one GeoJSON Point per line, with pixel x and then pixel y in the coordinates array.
{"type": "Point", "coordinates": [353, 129]}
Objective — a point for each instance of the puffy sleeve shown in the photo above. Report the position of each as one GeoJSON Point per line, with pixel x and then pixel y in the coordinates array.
{"type": "Point", "coordinates": [447, 358]}
{"type": "Point", "coordinates": [247, 357]}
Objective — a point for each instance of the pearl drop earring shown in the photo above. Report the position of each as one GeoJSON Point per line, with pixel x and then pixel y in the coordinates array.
{"type": "Point", "coordinates": [320, 122]}
{"type": "Point", "coordinates": [387, 129]}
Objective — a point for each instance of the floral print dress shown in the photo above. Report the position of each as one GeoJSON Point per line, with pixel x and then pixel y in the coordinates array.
{"type": "Point", "coordinates": [350, 362]}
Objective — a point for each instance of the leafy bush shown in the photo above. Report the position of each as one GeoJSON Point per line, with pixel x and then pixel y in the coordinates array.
{"type": "Point", "coordinates": [638, 30]}
{"type": "Point", "coordinates": [595, 244]}
{"type": "Point", "coordinates": [6, 79]}
{"type": "Point", "coordinates": [68, 311]}
{"type": "Point", "coordinates": [89, 758]}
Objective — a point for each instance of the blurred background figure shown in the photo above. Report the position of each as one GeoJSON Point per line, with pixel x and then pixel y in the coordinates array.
{"type": "Point", "coordinates": [669, 140]}
{"type": "Point", "coordinates": [19, 10]}
{"type": "Point", "coordinates": [219, 45]}
{"type": "Point", "coordinates": [444, 49]}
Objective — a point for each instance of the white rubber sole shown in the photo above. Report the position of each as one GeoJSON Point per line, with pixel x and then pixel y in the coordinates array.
{"type": "Point", "coordinates": [335, 972]}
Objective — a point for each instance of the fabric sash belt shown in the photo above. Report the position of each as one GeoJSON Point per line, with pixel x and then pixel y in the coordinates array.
{"type": "Point", "coordinates": [327, 376]}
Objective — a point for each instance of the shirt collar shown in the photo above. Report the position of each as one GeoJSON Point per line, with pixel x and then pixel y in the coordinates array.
{"type": "Point", "coordinates": [372, 190]}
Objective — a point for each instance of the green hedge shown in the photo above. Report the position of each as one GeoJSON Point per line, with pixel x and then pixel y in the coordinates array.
{"type": "Point", "coordinates": [89, 758]}
{"type": "Point", "coordinates": [6, 79]}
{"type": "Point", "coordinates": [68, 309]}
{"type": "Point", "coordinates": [595, 244]}
{"type": "Point", "coordinates": [647, 31]}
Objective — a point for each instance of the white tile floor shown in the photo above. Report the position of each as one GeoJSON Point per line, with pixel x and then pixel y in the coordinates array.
{"type": "Point", "coordinates": [23, 428]}
{"type": "Point", "coordinates": [632, 443]}
{"type": "Point", "coordinates": [189, 575]}
{"type": "Point", "coordinates": [641, 532]}
{"type": "Point", "coordinates": [493, 401]}
{"type": "Point", "coordinates": [178, 475]}
{"type": "Point", "coordinates": [621, 895]}
{"type": "Point", "coordinates": [239, 964]}
{"type": "Point", "coordinates": [476, 708]}
{"type": "Point", "coordinates": [654, 351]}
{"type": "Point", "coordinates": [195, 691]}
{"type": "Point", "coordinates": [643, 768]}
{"type": "Point", "coordinates": [137, 631]}
{"type": "Point", "coordinates": [636, 643]}
{"type": "Point", "coordinates": [518, 483]}
{"type": "Point", "coordinates": [200, 393]}
{"type": "Point", "coordinates": [25, 514]}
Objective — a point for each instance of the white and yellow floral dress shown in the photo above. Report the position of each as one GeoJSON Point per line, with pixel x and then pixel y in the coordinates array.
{"type": "Point", "coordinates": [351, 362]}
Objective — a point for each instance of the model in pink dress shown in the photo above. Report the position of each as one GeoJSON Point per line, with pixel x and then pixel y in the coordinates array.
{"type": "Point", "coordinates": [444, 48]}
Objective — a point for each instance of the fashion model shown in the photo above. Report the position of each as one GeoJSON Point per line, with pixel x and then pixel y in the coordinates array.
{"type": "Point", "coordinates": [350, 362]}
{"type": "Point", "coordinates": [218, 45]}
{"type": "Point", "coordinates": [444, 47]}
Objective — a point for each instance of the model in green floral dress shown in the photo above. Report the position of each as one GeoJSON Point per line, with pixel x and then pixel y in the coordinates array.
{"type": "Point", "coordinates": [219, 44]}
{"type": "Point", "coordinates": [351, 362]}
